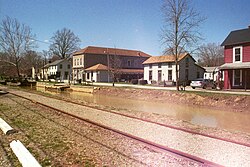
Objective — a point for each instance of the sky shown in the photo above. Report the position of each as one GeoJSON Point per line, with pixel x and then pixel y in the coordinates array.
{"type": "Point", "coordinates": [127, 24]}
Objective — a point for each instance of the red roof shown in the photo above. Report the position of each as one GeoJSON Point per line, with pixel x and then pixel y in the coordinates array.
{"type": "Point", "coordinates": [97, 67]}
{"type": "Point", "coordinates": [111, 51]}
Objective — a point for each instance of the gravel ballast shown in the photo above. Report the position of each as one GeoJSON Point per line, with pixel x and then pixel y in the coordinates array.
{"type": "Point", "coordinates": [221, 152]}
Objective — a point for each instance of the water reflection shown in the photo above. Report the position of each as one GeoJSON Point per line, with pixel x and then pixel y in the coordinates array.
{"type": "Point", "coordinates": [194, 115]}
{"type": "Point", "coordinates": [204, 120]}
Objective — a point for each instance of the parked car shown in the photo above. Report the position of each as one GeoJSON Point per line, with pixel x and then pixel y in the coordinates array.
{"type": "Point", "coordinates": [202, 83]}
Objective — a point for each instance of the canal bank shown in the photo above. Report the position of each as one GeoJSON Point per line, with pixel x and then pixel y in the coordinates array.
{"type": "Point", "coordinates": [199, 109]}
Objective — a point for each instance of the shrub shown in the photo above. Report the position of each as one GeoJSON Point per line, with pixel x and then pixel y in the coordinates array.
{"type": "Point", "coordinates": [143, 82]}
{"type": "Point", "coordinates": [134, 81]}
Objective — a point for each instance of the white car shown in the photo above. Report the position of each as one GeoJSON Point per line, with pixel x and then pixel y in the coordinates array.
{"type": "Point", "coordinates": [202, 83]}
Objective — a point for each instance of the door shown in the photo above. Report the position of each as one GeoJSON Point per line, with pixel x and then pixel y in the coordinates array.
{"type": "Point", "coordinates": [159, 75]}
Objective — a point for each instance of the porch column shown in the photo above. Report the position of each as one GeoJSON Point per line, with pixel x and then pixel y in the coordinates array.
{"type": "Point", "coordinates": [245, 78]}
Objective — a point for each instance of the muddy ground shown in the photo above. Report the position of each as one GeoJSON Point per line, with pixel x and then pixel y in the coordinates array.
{"type": "Point", "coordinates": [226, 102]}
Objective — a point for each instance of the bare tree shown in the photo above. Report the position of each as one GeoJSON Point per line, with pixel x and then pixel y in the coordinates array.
{"type": "Point", "coordinates": [180, 33]}
{"type": "Point", "coordinates": [15, 40]}
{"type": "Point", "coordinates": [64, 42]}
{"type": "Point", "coordinates": [29, 60]}
{"type": "Point", "coordinates": [6, 69]}
{"type": "Point", "coordinates": [114, 67]}
{"type": "Point", "coordinates": [210, 55]}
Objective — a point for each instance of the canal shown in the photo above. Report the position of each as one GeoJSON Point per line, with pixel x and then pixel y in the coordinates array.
{"type": "Point", "coordinates": [233, 121]}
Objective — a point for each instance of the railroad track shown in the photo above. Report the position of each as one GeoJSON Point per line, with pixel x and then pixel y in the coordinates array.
{"type": "Point", "coordinates": [149, 121]}
{"type": "Point", "coordinates": [32, 111]}
{"type": "Point", "coordinates": [85, 137]}
{"type": "Point", "coordinates": [196, 159]}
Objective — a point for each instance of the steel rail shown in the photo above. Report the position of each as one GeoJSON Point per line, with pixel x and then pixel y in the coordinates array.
{"type": "Point", "coordinates": [165, 148]}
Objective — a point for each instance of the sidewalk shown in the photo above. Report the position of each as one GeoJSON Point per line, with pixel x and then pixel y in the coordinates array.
{"type": "Point", "coordinates": [221, 152]}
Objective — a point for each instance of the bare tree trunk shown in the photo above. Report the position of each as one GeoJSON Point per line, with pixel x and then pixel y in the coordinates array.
{"type": "Point", "coordinates": [177, 75]}
{"type": "Point", "coordinates": [17, 69]}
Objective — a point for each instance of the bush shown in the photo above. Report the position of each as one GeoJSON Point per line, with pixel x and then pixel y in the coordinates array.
{"type": "Point", "coordinates": [153, 82]}
{"type": "Point", "coordinates": [134, 81]}
{"type": "Point", "coordinates": [143, 82]}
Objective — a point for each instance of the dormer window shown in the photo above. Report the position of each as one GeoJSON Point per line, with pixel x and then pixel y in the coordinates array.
{"type": "Point", "coordinates": [237, 54]}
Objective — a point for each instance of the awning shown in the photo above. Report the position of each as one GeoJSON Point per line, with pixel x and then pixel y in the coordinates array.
{"type": "Point", "coordinates": [232, 66]}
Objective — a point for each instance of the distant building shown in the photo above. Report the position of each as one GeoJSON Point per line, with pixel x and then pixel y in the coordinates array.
{"type": "Point", "coordinates": [44, 72]}
{"type": "Point", "coordinates": [59, 70]}
{"type": "Point", "coordinates": [237, 59]}
{"type": "Point", "coordinates": [97, 64]}
{"type": "Point", "coordinates": [162, 68]}
{"type": "Point", "coordinates": [213, 73]}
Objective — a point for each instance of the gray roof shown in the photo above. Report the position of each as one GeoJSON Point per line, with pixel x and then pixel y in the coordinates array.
{"type": "Point", "coordinates": [231, 66]}
{"type": "Point", "coordinates": [210, 69]}
{"type": "Point", "coordinates": [53, 63]}
{"type": "Point", "coordinates": [56, 62]}
{"type": "Point", "coordinates": [237, 37]}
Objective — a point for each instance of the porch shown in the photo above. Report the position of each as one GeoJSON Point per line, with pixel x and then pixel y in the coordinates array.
{"type": "Point", "coordinates": [237, 75]}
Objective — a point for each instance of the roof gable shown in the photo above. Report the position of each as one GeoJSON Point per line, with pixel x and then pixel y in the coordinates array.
{"type": "Point", "coordinates": [111, 51]}
{"type": "Point", "coordinates": [237, 37]}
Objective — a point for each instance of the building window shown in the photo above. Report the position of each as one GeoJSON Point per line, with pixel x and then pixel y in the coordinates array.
{"type": "Point", "coordinates": [75, 62]}
{"type": "Point", "coordinates": [159, 65]}
{"type": "Point", "coordinates": [80, 61]}
{"type": "Point", "coordinates": [60, 66]}
{"type": "Point", "coordinates": [68, 66]}
{"type": "Point", "coordinates": [169, 65]}
{"type": "Point", "coordinates": [237, 78]}
{"type": "Point", "coordinates": [150, 75]}
{"type": "Point", "coordinates": [170, 75]}
{"type": "Point", "coordinates": [237, 54]}
{"type": "Point", "coordinates": [88, 75]}
{"type": "Point", "coordinates": [187, 62]}
{"type": "Point", "coordinates": [159, 75]}
{"type": "Point", "coordinates": [129, 63]}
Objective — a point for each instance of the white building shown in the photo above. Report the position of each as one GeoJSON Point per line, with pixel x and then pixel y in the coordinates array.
{"type": "Point", "coordinates": [160, 69]}
{"type": "Point", "coordinates": [60, 70]}
{"type": "Point", "coordinates": [213, 73]}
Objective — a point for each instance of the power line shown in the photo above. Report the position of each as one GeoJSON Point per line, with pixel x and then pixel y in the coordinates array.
{"type": "Point", "coordinates": [48, 43]}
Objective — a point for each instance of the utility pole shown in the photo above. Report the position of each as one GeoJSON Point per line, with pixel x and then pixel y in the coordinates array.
{"type": "Point", "coordinates": [108, 62]}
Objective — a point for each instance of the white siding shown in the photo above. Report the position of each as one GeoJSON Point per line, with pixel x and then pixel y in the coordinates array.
{"type": "Point", "coordinates": [164, 68]}
{"type": "Point", "coordinates": [192, 71]}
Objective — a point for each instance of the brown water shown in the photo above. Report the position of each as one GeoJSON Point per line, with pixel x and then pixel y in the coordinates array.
{"type": "Point", "coordinates": [195, 115]}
